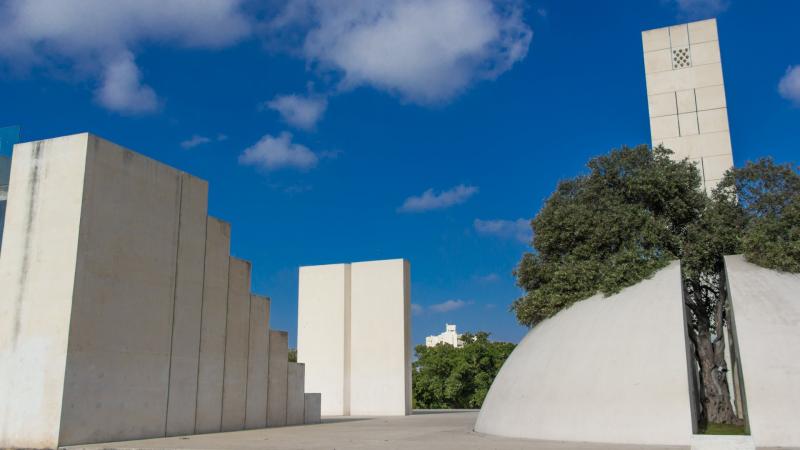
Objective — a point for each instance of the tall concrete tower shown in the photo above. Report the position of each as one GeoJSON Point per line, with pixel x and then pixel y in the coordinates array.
{"type": "Point", "coordinates": [686, 96]}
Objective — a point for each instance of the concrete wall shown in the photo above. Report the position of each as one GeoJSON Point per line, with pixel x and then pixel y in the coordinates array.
{"type": "Point", "coordinates": [118, 366]}
{"type": "Point", "coordinates": [277, 383]}
{"type": "Point", "coordinates": [257, 363]}
{"type": "Point", "coordinates": [311, 409]}
{"type": "Point", "coordinates": [237, 344]}
{"type": "Point", "coordinates": [188, 306]}
{"type": "Point", "coordinates": [295, 394]}
{"type": "Point", "coordinates": [354, 335]}
{"type": "Point", "coordinates": [686, 96]}
{"type": "Point", "coordinates": [766, 321]}
{"type": "Point", "coordinates": [323, 334]}
{"type": "Point", "coordinates": [122, 315]}
{"type": "Point", "coordinates": [380, 349]}
{"type": "Point", "coordinates": [208, 418]}
{"type": "Point", "coordinates": [36, 299]}
{"type": "Point", "coordinates": [604, 370]}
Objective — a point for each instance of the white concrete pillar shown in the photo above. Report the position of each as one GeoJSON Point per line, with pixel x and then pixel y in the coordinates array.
{"type": "Point", "coordinates": [277, 382]}
{"type": "Point", "coordinates": [311, 409]}
{"type": "Point", "coordinates": [237, 343]}
{"type": "Point", "coordinates": [323, 334]}
{"type": "Point", "coordinates": [181, 405]}
{"type": "Point", "coordinates": [380, 349]}
{"type": "Point", "coordinates": [214, 321]}
{"type": "Point", "coordinates": [295, 398]}
{"type": "Point", "coordinates": [258, 363]}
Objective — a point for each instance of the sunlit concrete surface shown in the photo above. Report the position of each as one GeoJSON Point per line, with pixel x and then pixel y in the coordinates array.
{"type": "Point", "coordinates": [448, 430]}
{"type": "Point", "coordinates": [766, 317]}
{"type": "Point", "coordinates": [603, 370]}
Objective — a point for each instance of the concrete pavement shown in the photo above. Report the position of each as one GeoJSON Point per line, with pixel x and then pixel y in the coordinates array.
{"type": "Point", "coordinates": [441, 430]}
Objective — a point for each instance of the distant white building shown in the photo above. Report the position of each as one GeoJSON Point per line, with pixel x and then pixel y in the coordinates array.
{"type": "Point", "coordinates": [449, 337]}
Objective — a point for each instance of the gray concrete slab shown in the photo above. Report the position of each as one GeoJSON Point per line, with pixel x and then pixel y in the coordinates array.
{"type": "Point", "coordinates": [212, 337]}
{"type": "Point", "coordinates": [278, 372]}
{"type": "Point", "coordinates": [188, 308]}
{"type": "Point", "coordinates": [258, 364]}
{"type": "Point", "coordinates": [312, 407]}
{"type": "Point", "coordinates": [448, 430]}
{"type": "Point", "coordinates": [295, 398]}
{"type": "Point", "coordinates": [237, 344]}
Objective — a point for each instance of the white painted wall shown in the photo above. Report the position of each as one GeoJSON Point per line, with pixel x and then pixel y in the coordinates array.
{"type": "Point", "coordinates": [380, 339]}
{"type": "Point", "coordinates": [323, 334]}
{"type": "Point", "coordinates": [766, 313]}
{"type": "Point", "coordinates": [604, 370]}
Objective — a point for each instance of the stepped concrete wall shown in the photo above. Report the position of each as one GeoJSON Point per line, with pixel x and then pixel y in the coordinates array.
{"type": "Point", "coordinates": [766, 321]}
{"type": "Point", "coordinates": [608, 370]}
{"type": "Point", "coordinates": [208, 418]}
{"type": "Point", "coordinates": [237, 343]}
{"type": "Point", "coordinates": [278, 378]}
{"type": "Point", "coordinates": [122, 315]}
{"type": "Point", "coordinates": [257, 363]}
{"type": "Point", "coordinates": [36, 300]}
{"type": "Point", "coordinates": [312, 408]}
{"type": "Point", "coordinates": [295, 394]}
{"type": "Point", "coordinates": [188, 307]}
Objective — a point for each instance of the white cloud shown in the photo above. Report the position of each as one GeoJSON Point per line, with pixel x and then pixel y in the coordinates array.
{"type": "Point", "coordinates": [449, 305]}
{"type": "Point", "coordinates": [122, 89]}
{"type": "Point", "coordinates": [416, 309]}
{"type": "Point", "coordinates": [697, 9]}
{"type": "Point", "coordinates": [519, 229]}
{"type": "Point", "coordinates": [298, 111]}
{"type": "Point", "coordinates": [789, 86]}
{"type": "Point", "coordinates": [197, 140]}
{"type": "Point", "coordinates": [272, 153]}
{"type": "Point", "coordinates": [425, 51]}
{"type": "Point", "coordinates": [488, 278]}
{"type": "Point", "coordinates": [96, 38]}
{"type": "Point", "coordinates": [430, 200]}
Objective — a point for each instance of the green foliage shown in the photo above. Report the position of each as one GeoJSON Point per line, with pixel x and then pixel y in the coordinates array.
{"type": "Point", "coordinates": [449, 377]}
{"type": "Point", "coordinates": [607, 230]}
{"type": "Point", "coordinates": [638, 209]}
{"type": "Point", "coordinates": [769, 203]}
{"type": "Point", "coordinates": [292, 355]}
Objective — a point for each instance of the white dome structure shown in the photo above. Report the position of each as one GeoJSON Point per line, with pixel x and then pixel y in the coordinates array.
{"type": "Point", "coordinates": [609, 370]}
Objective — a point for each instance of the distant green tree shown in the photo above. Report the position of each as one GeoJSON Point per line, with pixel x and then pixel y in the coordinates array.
{"type": "Point", "coordinates": [638, 209]}
{"type": "Point", "coordinates": [449, 377]}
{"type": "Point", "coordinates": [292, 355]}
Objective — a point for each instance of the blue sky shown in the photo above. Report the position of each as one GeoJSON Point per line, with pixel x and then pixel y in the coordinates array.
{"type": "Point", "coordinates": [348, 131]}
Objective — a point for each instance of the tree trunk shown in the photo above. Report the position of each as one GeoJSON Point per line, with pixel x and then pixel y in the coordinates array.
{"type": "Point", "coordinates": [710, 353]}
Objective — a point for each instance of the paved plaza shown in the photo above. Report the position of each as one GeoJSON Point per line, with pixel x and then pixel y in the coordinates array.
{"type": "Point", "coordinates": [441, 430]}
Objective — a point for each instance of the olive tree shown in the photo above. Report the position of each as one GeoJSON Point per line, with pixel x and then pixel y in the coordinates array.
{"type": "Point", "coordinates": [636, 210]}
